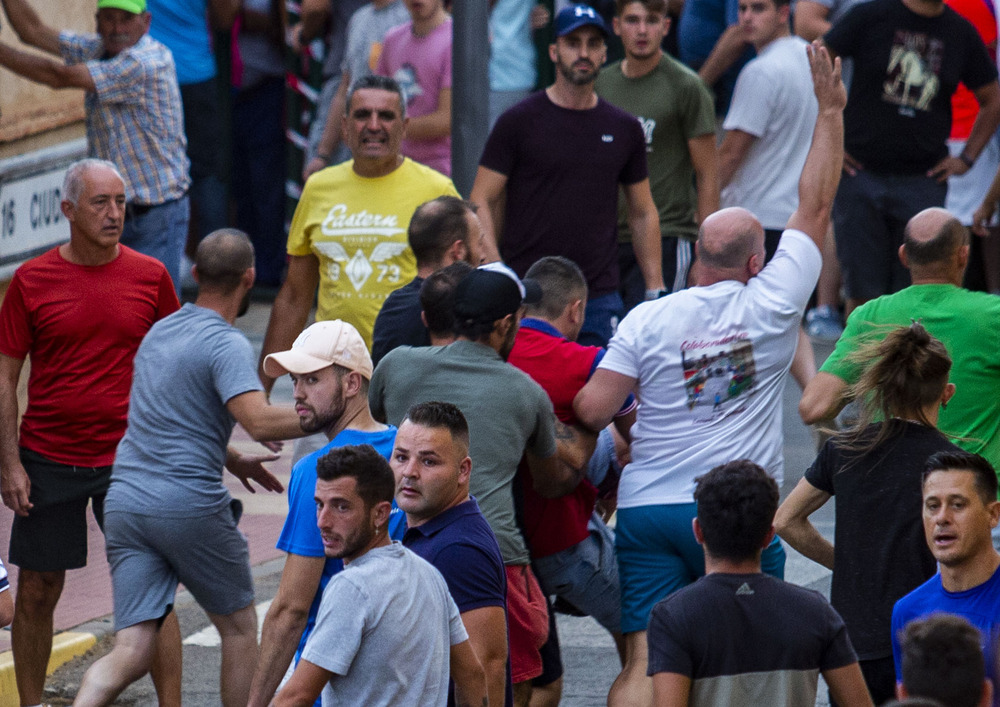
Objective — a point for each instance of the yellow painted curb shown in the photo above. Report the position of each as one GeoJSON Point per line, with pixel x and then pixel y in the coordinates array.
{"type": "Point", "coordinates": [65, 647]}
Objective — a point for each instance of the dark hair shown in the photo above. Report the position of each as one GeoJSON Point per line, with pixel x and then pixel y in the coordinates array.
{"type": "Point", "coordinates": [435, 225]}
{"type": "Point", "coordinates": [650, 5]}
{"type": "Point", "coordinates": [943, 660]}
{"type": "Point", "coordinates": [437, 297]}
{"type": "Point", "coordinates": [561, 281]}
{"type": "Point", "coordinates": [904, 373]}
{"type": "Point", "coordinates": [951, 236]}
{"type": "Point", "coordinates": [983, 472]}
{"type": "Point", "coordinates": [367, 467]}
{"type": "Point", "coordinates": [736, 506]}
{"type": "Point", "coordinates": [438, 414]}
{"type": "Point", "coordinates": [222, 257]}
{"type": "Point", "coordinates": [382, 83]}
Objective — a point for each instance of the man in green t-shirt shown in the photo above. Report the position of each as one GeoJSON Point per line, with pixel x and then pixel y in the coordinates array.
{"type": "Point", "coordinates": [935, 250]}
{"type": "Point", "coordinates": [677, 116]}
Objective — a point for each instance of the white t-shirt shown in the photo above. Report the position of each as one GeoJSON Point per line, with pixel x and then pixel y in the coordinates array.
{"type": "Point", "coordinates": [773, 101]}
{"type": "Point", "coordinates": [711, 364]}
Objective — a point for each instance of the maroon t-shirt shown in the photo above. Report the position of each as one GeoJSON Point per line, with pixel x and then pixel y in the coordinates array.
{"type": "Point", "coordinates": [563, 170]}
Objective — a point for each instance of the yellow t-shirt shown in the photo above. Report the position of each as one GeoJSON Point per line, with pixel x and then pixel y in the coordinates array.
{"type": "Point", "coordinates": [356, 226]}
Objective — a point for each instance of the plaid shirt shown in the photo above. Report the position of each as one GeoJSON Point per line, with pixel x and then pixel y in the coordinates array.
{"type": "Point", "coordinates": [134, 118]}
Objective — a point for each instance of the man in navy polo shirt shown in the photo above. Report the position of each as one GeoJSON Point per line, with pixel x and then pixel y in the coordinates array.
{"type": "Point", "coordinates": [445, 527]}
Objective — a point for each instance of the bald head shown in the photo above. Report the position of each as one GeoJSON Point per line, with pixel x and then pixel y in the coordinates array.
{"type": "Point", "coordinates": [728, 238]}
{"type": "Point", "coordinates": [932, 242]}
{"type": "Point", "coordinates": [222, 258]}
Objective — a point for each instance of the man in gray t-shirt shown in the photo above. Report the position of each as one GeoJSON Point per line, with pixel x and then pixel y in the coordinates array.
{"type": "Point", "coordinates": [388, 631]}
{"type": "Point", "coordinates": [167, 515]}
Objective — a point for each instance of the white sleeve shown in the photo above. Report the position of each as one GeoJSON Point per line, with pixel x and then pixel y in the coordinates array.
{"type": "Point", "coordinates": [621, 356]}
{"type": "Point", "coordinates": [753, 101]}
{"type": "Point", "coordinates": [456, 628]}
{"type": "Point", "coordinates": [790, 278]}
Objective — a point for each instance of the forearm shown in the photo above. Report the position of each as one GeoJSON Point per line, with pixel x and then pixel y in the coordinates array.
{"type": "Point", "coordinates": [803, 536]}
{"type": "Point", "coordinates": [9, 454]}
{"type": "Point", "coordinates": [648, 246]}
{"type": "Point", "coordinates": [724, 54]}
{"type": "Point", "coordinates": [822, 170]}
{"type": "Point", "coordinates": [707, 186]}
{"type": "Point", "coordinates": [279, 638]}
{"type": "Point", "coordinates": [982, 130]}
{"type": "Point", "coordinates": [432, 125]}
{"type": "Point", "coordinates": [34, 67]}
{"type": "Point", "coordinates": [29, 27]}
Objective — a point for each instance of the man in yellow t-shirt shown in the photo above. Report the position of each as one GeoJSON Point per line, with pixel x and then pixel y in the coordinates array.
{"type": "Point", "coordinates": [348, 235]}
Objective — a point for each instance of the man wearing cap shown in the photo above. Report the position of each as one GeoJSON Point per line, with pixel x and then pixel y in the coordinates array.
{"type": "Point", "coordinates": [509, 416]}
{"type": "Point", "coordinates": [133, 112]}
{"type": "Point", "coordinates": [167, 516]}
{"type": "Point", "coordinates": [330, 370]}
{"type": "Point", "coordinates": [549, 178]}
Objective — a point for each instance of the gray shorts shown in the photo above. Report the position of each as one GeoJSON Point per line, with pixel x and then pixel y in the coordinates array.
{"type": "Point", "coordinates": [586, 575]}
{"type": "Point", "coordinates": [150, 555]}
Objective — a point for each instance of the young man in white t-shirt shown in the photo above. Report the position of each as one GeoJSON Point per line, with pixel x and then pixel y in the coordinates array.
{"type": "Point", "coordinates": [710, 365]}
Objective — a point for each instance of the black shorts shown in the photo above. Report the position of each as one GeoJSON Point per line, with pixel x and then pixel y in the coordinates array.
{"type": "Point", "coordinates": [53, 536]}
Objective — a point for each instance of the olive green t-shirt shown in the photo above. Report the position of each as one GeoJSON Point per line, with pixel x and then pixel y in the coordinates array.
{"type": "Point", "coordinates": [673, 106]}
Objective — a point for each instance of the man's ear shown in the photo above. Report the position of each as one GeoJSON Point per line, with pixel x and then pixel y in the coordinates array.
{"type": "Point", "coordinates": [902, 257]}
{"type": "Point", "coordinates": [698, 535]}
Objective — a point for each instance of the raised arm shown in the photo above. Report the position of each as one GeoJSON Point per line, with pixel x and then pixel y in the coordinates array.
{"type": "Point", "coordinates": [822, 170]}
{"type": "Point", "coordinates": [29, 27]}
{"type": "Point", "coordinates": [811, 20]}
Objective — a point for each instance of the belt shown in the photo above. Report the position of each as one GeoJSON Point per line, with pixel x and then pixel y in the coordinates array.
{"type": "Point", "coordinates": [134, 210]}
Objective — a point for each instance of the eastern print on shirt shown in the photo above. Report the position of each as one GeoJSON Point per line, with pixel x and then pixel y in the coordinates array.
{"type": "Point", "coordinates": [719, 375]}
{"type": "Point", "coordinates": [357, 232]}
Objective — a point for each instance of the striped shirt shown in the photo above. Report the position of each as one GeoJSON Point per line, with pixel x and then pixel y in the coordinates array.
{"type": "Point", "coordinates": [134, 117]}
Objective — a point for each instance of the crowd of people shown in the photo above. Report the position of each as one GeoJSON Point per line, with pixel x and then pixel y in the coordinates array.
{"type": "Point", "coordinates": [488, 382]}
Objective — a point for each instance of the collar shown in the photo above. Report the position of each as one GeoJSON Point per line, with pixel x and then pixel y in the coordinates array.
{"type": "Point", "coordinates": [473, 348]}
{"type": "Point", "coordinates": [540, 325]}
{"type": "Point", "coordinates": [443, 520]}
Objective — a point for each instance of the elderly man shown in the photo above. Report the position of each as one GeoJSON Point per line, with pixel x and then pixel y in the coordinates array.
{"type": "Point", "coordinates": [66, 311]}
{"type": "Point", "coordinates": [710, 365]}
{"type": "Point", "coordinates": [133, 109]}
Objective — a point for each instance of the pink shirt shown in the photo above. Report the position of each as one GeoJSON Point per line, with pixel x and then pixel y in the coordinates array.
{"type": "Point", "coordinates": [422, 66]}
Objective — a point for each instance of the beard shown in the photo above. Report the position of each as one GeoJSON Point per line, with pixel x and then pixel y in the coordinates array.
{"type": "Point", "coordinates": [578, 77]}
{"type": "Point", "coordinates": [244, 305]}
{"type": "Point", "coordinates": [327, 418]}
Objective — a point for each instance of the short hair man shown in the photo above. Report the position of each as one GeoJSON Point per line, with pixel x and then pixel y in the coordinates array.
{"type": "Point", "coordinates": [572, 550]}
{"type": "Point", "coordinates": [388, 608]}
{"type": "Point", "coordinates": [676, 112]}
{"type": "Point", "coordinates": [66, 311]}
{"type": "Point", "coordinates": [943, 660]}
{"type": "Point", "coordinates": [418, 55]}
{"type": "Point", "coordinates": [441, 231]}
{"type": "Point", "coordinates": [909, 57]}
{"type": "Point", "coordinates": [348, 234]}
{"type": "Point", "coordinates": [730, 636]}
{"type": "Point", "coordinates": [509, 417]}
{"type": "Point", "coordinates": [168, 516]}
{"type": "Point", "coordinates": [960, 509]}
{"type": "Point", "coordinates": [431, 463]}
{"type": "Point", "coordinates": [330, 370]}
{"type": "Point", "coordinates": [437, 302]}
{"type": "Point", "coordinates": [549, 177]}
{"type": "Point", "coordinates": [710, 365]}
{"type": "Point", "coordinates": [133, 112]}
{"type": "Point", "coordinates": [935, 250]}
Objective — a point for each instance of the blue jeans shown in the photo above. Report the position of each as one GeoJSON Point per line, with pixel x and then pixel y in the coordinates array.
{"type": "Point", "coordinates": [601, 319]}
{"type": "Point", "coordinates": [159, 231]}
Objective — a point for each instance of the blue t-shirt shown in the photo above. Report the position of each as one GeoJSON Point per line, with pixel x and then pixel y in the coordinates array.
{"type": "Point", "coordinates": [182, 25]}
{"type": "Point", "coordinates": [979, 605]}
{"type": "Point", "coordinates": [170, 461]}
{"type": "Point", "coordinates": [300, 534]}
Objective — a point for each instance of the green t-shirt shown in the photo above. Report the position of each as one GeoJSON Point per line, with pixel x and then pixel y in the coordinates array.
{"type": "Point", "coordinates": [968, 324]}
{"type": "Point", "coordinates": [673, 106]}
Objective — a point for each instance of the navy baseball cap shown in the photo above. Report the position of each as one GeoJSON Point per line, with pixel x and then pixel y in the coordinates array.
{"type": "Point", "coordinates": [576, 16]}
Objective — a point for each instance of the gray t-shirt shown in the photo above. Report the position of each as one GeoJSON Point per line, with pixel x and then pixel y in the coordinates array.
{"type": "Point", "coordinates": [385, 628]}
{"type": "Point", "coordinates": [170, 461]}
{"type": "Point", "coordinates": [364, 36]}
{"type": "Point", "coordinates": [508, 413]}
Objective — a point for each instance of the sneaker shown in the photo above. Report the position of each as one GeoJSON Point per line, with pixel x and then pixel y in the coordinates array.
{"type": "Point", "coordinates": [823, 324]}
